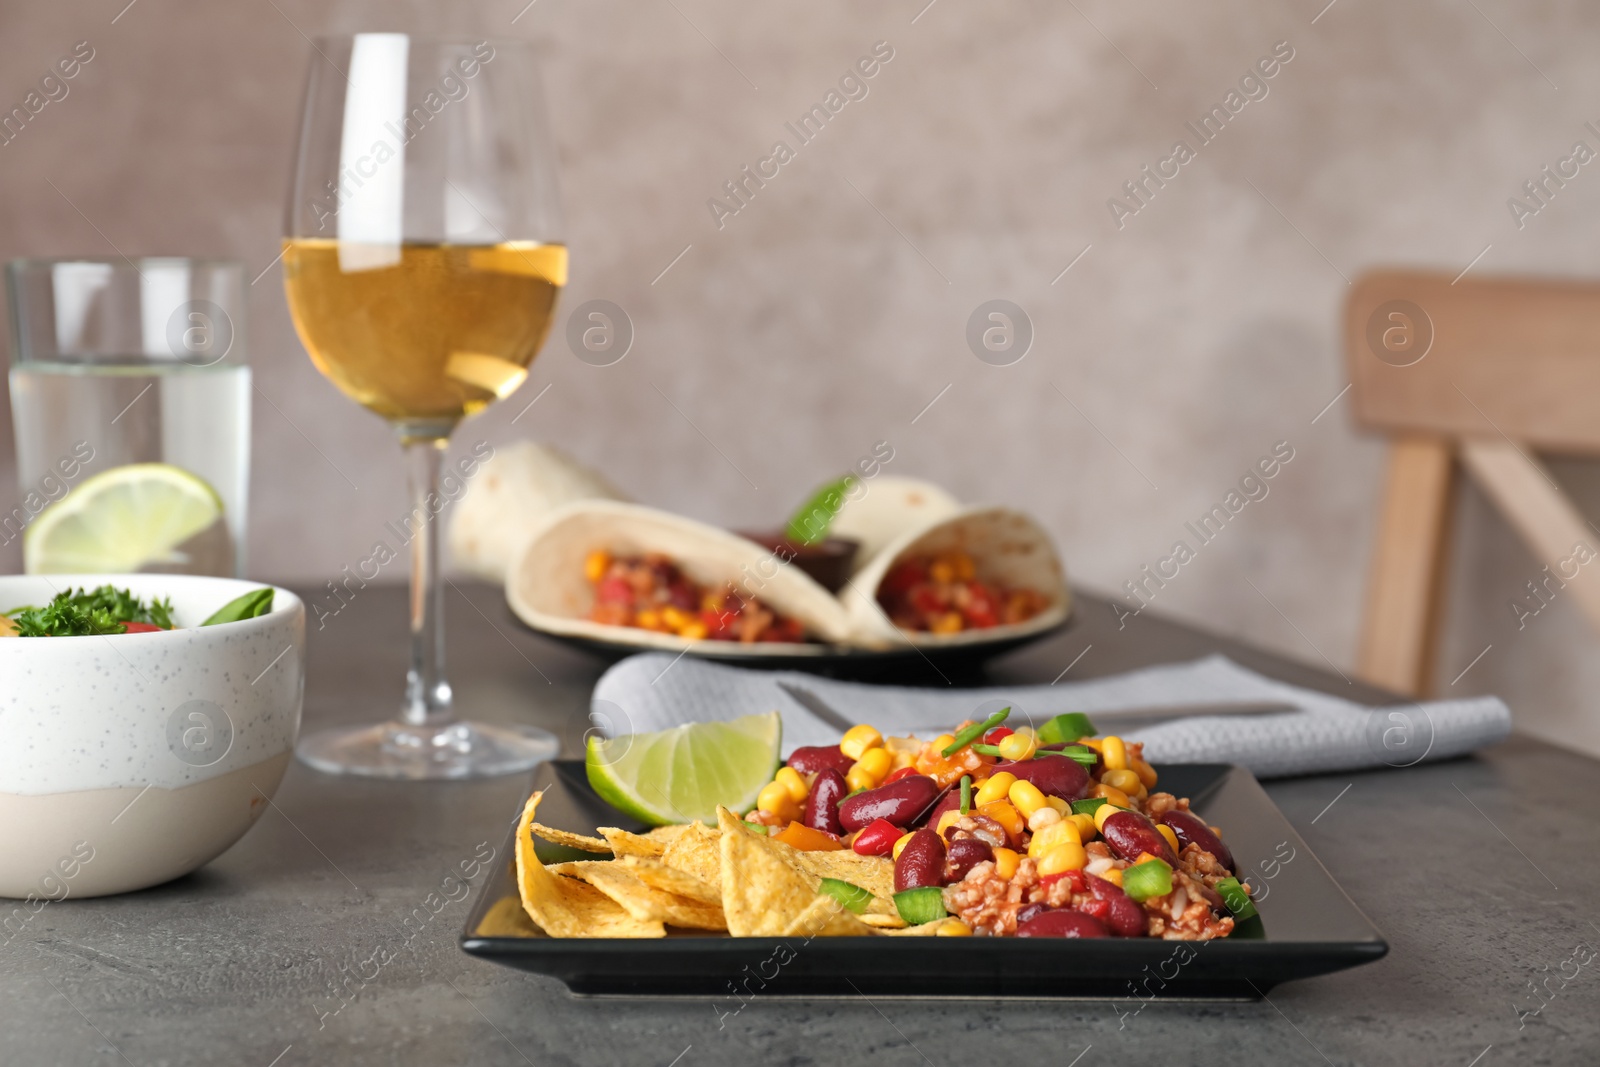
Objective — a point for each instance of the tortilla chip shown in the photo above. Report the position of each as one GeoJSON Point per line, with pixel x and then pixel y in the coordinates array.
{"type": "Point", "coordinates": [761, 894]}
{"type": "Point", "coordinates": [581, 842]}
{"type": "Point", "coordinates": [567, 907]}
{"type": "Point", "coordinates": [884, 921]}
{"type": "Point", "coordinates": [697, 852]}
{"type": "Point", "coordinates": [650, 845]}
{"type": "Point", "coordinates": [925, 930]}
{"type": "Point", "coordinates": [875, 874]}
{"type": "Point", "coordinates": [506, 918]}
{"type": "Point", "coordinates": [648, 903]}
{"type": "Point", "coordinates": [656, 873]}
{"type": "Point", "coordinates": [826, 917]}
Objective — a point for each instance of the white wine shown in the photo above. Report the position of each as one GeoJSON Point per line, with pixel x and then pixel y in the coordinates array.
{"type": "Point", "coordinates": [431, 332]}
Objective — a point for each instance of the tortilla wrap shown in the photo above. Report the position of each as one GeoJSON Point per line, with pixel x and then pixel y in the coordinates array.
{"type": "Point", "coordinates": [877, 511]}
{"type": "Point", "coordinates": [546, 587]}
{"type": "Point", "coordinates": [516, 490]}
{"type": "Point", "coordinates": [1008, 548]}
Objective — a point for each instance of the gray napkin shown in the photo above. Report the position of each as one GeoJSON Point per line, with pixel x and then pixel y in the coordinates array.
{"type": "Point", "coordinates": [655, 691]}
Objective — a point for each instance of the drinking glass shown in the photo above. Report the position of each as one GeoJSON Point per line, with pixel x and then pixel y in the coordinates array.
{"type": "Point", "coordinates": [422, 259]}
{"type": "Point", "coordinates": [129, 376]}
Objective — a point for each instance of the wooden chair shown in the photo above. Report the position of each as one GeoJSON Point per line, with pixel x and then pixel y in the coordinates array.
{"type": "Point", "coordinates": [1484, 371]}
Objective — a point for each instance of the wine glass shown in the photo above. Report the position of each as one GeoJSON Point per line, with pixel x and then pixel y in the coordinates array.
{"type": "Point", "coordinates": [422, 259]}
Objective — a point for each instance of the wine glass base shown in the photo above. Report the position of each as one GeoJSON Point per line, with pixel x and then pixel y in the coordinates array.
{"type": "Point", "coordinates": [455, 750]}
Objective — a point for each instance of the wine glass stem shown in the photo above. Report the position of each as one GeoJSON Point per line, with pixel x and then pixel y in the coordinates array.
{"type": "Point", "coordinates": [427, 692]}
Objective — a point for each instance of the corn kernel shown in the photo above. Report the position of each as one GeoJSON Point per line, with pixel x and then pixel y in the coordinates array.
{"type": "Point", "coordinates": [711, 602]}
{"type": "Point", "coordinates": [1114, 795]}
{"type": "Point", "coordinates": [1145, 857]}
{"type": "Point", "coordinates": [1062, 807]}
{"type": "Point", "coordinates": [1063, 858]}
{"type": "Point", "coordinates": [792, 783]}
{"type": "Point", "coordinates": [943, 741]}
{"type": "Point", "coordinates": [596, 564]}
{"type": "Point", "coordinates": [858, 739]}
{"type": "Point", "coordinates": [1172, 838]}
{"type": "Point", "coordinates": [1085, 824]}
{"type": "Point", "coordinates": [1104, 812]}
{"type": "Point", "coordinates": [1007, 816]}
{"type": "Point", "coordinates": [1146, 773]}
{"type": "Point", "coordinates": [1092, 742]}
{"type": "Point", "coordinates": [1115, 754]}
{"type": "Point", "coordinates": [1045, 816]}
{"type": "Point", "coordinates": [964, 568]}
{"type": "Point", "coordinates": [947, 820]}
{"type": "Point", "coordinates": [1052, 836]}
{"type": "Point", "coordinates": [674, 619]}
{"type": "Point", "coordinates": [979, 782]}
{"type": "Point", "coordinates": [1018, 746]}
{"type": "Point", "coordinates": [648, 619]}
{"type": "Point", "coordinates": [858, 779]}
{"type": "Point", "coordinates": [1006, 861]}
{"type": "Point", "coordinates": [952, 928]}
{"type": "Point", "coordinates": [996, 788]}
{"type": "Point", "coordinates": [774, 798]}
{"type": "Point", "coordinates": [694, 630]}
{"type": "Point", "coordinates": [1125, 780]}
{"type": "Point", "coordinates": [899, 845]}
{"type": "Point", "coordinates": [1112, 875]}
{"type": "Point", "coordinates": [876, 762]}
{"type": "Point", "coordinates": [942, 571]}
{"type": "Point", "coordinates": [1025, 797]}
{"type": "Point", "coordinates": [948, 623]}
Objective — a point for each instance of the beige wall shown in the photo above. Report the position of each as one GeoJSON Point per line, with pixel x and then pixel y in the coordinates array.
{"type": "Point", "coordinates": [831, 310]}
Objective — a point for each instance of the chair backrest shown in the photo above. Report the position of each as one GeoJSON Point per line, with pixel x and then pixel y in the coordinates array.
{"type": "Point", "coordinates": [1471, 357]}
{"type": "Point", "coordinates": [1480, 372]}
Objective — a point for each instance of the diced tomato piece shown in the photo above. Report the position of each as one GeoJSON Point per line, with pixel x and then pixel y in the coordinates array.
{"type": "Point", "coordinates": [141, 628]}
{"type": "Point", "coordinates": [1078, 882]}
{"type": "Point", "coordinates": [614, 590]}
{"type": "Point", "coordinates": [926, 599]}
{"type": "Point", "coordinates": [903, 772]}
{"type": "Point", "coordinates": [998, 734]}
{"type": "Point", "coordinates": [901, 578]}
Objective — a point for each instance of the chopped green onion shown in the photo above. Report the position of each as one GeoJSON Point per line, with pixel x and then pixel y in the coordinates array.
{"type": "Point", "coordinates": [1237, 900]}
{"type": "Point", "coordinates": [969, 734]}
{"type": "Point", "coordinates": [1083, 756]}
{"type": "Point", "coordinates": [918, 906]}
{"type": "Point", "coordinates": [851, 896]}
{"type": "Point", "coordinates": [987, 750]}
{"type": "Point", "coordinates": [1068, 727]}
{"type": "Point", "coordinates": [1152, 878]}
{"type": "Point", "coordinates": [1086, 807]}
{"type": "Point", "coordinates": [966, 794]}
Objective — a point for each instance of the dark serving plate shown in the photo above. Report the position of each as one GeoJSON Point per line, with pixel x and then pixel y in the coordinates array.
{"type": "Point", "coordinates": [1307, 927]}
{"type": "Point", "coordinates": [906, 666]}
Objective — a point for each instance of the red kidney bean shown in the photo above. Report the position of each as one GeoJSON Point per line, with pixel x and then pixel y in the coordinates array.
{"type": "Point", "coordinates": [1190, 829]}
{"type": "Point", "coordinates": [1125, 917]}
{"type": "Point", "coordinates": [814, 759]}
{"type": "Point", "coordinates": [1055, 776]}
{"type": "Point", "coordinates": [962, 856]}
{"type": "Point", "coordinates": [1029, 912]}
{"type": "Point", "coordinates": [1128, 834]}
{"type": "Point", "coordinates": [900, 802]}
{"type": "Point", "coordinates": [921, 862]}
{"type": "Point", "coordinates": [822, 803]}
{"type": "Point", "coordinates": [1063, 922]}
{"type": "Point", "coordinates": [951, 801]}
{"type": "Point", "coordinates": [878, 839]}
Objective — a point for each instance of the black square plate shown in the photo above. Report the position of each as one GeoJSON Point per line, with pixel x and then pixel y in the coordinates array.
{"type": "Point", "coordinates": [1307, 927]}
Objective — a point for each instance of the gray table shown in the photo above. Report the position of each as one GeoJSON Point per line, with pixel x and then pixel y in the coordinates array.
{"type": "Point", "coordinates": [240, 962]}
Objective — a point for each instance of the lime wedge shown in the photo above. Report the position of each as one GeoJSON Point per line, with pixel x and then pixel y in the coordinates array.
{"type": "Point", "coordinates": [682, 774]}
{"type": "Point", "coordinates": [120, 520]}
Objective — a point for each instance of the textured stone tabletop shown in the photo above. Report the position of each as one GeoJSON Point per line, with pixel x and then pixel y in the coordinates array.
{"type": "Point", "coordinates": [1481, 873]}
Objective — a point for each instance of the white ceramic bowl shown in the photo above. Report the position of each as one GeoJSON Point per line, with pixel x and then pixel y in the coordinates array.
{"type": "Point", "coordinates": [127, 761]}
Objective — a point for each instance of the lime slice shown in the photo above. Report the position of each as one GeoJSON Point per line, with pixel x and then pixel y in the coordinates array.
{"type": "Point", "coordinates": [682, 774]}
{"type": "Point", "coordinates": [120, 520]}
